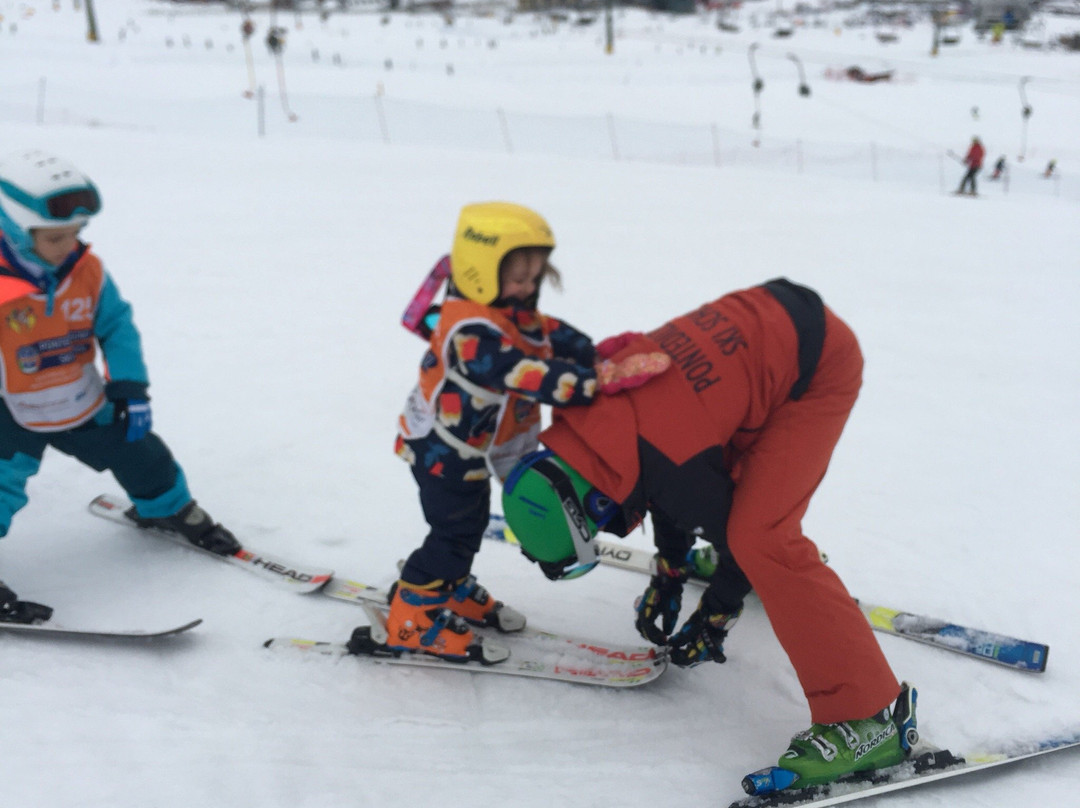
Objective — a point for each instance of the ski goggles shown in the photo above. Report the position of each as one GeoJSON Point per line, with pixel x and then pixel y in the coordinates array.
{"type": "Point", "coordinates": [58, 206]}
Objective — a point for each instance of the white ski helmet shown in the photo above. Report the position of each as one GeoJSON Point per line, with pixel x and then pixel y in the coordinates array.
{"type": "Point", "coordinates": [40, 190]}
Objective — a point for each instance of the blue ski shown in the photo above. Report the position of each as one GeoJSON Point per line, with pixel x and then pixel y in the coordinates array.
{"type": "Point", "coordinates": [1009, 651]}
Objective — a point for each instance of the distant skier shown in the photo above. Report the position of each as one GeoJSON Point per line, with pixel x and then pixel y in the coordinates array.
{"type": "Point", "coordinates": [275, 40]}
{"type": "Point", "coordinates": [729, 444]}
{"type": "Point", "coordinates": [999, 168]}
{"type": "Point", "coordinates": [1049, 172]}
{"type": "Point", "coordinates": [973, 160]}
{"type": "Point", "coordinates": [58, 305]}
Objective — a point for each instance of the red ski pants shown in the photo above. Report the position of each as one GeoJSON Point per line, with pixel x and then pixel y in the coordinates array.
{"type": "Point", "coordinates": [840, 665]}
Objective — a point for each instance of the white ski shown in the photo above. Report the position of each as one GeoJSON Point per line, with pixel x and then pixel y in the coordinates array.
{"type": "Point", "coordinates": [633, 655]}
{"type": "Point", "coordinates": [54, 630]}
{"type": "Point", "coordinates": [532, 655]}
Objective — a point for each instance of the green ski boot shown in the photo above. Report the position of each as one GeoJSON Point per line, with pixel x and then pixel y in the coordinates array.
{"type": "Point", "coordinates": [827, 752]}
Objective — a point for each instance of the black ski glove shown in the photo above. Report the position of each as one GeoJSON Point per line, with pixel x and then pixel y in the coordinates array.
{"type": "Point", "coordinates": [662, 600]}
{"type": "Point", "coordinates": [701, 639]}
{"type": "Point", "coordinates": [13, 610]}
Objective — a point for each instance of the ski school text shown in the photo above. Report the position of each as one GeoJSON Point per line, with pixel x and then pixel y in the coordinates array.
{"type": "Point", "coordinates": [686, 354]}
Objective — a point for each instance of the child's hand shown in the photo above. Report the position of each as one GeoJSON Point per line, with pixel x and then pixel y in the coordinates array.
{"type": "Point", "coordinates": [135, 413]}
{"type": "Point", "coordinates": [631, 371]}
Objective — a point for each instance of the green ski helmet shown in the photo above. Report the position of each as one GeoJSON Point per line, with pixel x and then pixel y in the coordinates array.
{"type": "Point", "coordinates": [485, 233]}
{"type": "Point", "coordinates": [555, 514]}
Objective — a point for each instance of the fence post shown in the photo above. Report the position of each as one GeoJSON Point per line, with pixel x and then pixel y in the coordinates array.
{"type": "Point", "coordinates": [382, 119]}
{"type": "Point", "coordinates": [260, 110]}
{"type": "Point", "coordinates": [41, 101]}
{"type": "Point", "coordinates": [611, 133]}
{"type": "Point", "coordinates": [505, 131]}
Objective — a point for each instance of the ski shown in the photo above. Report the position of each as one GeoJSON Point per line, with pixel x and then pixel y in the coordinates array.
{"type": "Point", "coordinates": [274, 569]}
{"type": "Point", "coordinates": [625, 655]}
{"type": "Point", "coordinates": [530, 655]}
{"type": "Point", "coordinates": [922, 768]}
{"type": "Point", "coordinates": [1008, 651]}
{"type": "Point", "coordinates": [1012, 652]}
{"type": "Point", "coordinates": [54, 630]}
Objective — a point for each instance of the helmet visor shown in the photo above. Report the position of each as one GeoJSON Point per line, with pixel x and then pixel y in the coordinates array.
{"type": "Point", "coordinates": [59, 206]}
{"type": "Point", "coordinates": [66, 204]}
{"type": "Point", "coordinates": [577, 570]}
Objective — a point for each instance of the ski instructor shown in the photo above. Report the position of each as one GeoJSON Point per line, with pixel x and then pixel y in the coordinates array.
{"type": "Point", "coordinates": [728, 444]}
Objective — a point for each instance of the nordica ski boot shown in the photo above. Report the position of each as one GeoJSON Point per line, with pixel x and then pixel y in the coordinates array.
{"type": "Point", "coordinates": [420, 620]}
{"type": "Point", "coordinates": [471, 601]}
{"type": "Point", "coordinates": [829, 752]}
{"type": "Point", "coordinates": [195, 525]}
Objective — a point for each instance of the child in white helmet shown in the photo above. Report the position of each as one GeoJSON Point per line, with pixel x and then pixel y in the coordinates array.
{"type": "Point", "coordinates": [58, 306]}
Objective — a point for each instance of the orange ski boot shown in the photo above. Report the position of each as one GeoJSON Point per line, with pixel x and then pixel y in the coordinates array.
{"type": "Point", "coordinates": [421, 622]}
{"type": "Point", "coordinates": [474, 603]}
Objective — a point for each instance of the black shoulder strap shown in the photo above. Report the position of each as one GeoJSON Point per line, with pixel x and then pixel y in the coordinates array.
{"type": "Point", "coordinates": [807, 312]}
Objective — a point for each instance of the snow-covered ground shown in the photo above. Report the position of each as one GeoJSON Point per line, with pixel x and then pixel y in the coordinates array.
{"type": "Point", "coordinates": [268, 274]}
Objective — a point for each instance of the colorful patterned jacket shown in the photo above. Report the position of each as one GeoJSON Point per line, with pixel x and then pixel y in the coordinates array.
{"type": "Point", "coordinates": [482, 380]}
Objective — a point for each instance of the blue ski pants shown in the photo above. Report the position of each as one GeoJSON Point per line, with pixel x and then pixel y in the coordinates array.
{"type": "Point", "coordinates": [145, 468]}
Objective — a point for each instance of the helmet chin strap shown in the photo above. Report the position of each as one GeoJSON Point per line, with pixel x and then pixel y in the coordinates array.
{"type": "Point", "coordinates": [26, 261]}
{"type": "Point", "coordinates": [573, 511]}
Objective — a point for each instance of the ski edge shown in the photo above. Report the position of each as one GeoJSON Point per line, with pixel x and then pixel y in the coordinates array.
{"type": "Point", "coordinates": [85, 633]}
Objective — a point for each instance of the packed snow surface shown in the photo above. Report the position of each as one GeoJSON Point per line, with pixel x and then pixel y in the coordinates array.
{"type": "Point", "coordinates": [268, 261]}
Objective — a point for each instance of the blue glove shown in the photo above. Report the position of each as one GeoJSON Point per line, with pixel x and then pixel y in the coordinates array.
{"type": "Point", "coordinates": [136, 412]}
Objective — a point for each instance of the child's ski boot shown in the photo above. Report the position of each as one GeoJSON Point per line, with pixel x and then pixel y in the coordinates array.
{"type": "Point", "coordinates": [195, 525]}
{"type": "Point", "coordinates": [421, 621]}
{"type": "Point", "coordinates": [474, 603]}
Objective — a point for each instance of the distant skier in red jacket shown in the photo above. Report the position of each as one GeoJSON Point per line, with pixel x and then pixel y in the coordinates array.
{"type": "Point", "coordinates": [973, 160]}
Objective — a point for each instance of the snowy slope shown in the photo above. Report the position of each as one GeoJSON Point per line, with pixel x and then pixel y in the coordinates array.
{"type": "Point", "coordinates": [267, 276]}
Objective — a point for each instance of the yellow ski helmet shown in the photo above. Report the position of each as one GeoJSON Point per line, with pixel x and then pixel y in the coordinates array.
{"type": "Point", "coordinates": [485, 233]}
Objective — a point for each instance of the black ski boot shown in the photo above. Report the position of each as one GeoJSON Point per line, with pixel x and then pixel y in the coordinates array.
{"type": "Point", "coordinates": [195, 525]}
{"type": "Point", "coordinates": [13, 610]}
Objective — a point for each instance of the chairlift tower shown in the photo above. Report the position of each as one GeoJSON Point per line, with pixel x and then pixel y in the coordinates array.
{"type": "Point", "coordinates": [91, 22]}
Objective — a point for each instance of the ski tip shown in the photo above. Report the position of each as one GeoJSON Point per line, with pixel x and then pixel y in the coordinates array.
{"type": "Point", "coordinates": [1041, 656]}
{"type": "Point", "coordinates": [104, 502]}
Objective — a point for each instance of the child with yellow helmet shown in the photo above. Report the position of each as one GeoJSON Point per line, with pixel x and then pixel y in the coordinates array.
{"type": "Point", "coordinates": [492, 359]}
